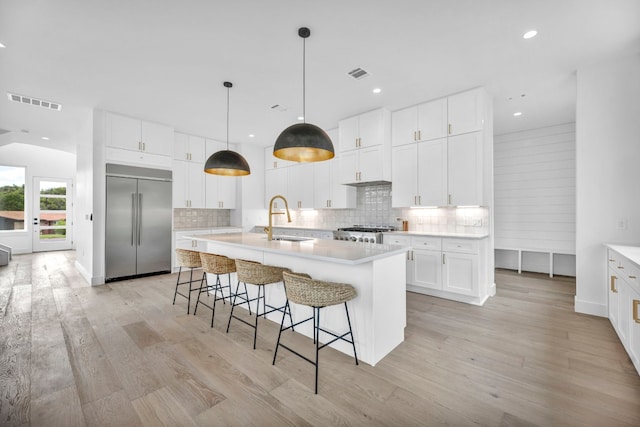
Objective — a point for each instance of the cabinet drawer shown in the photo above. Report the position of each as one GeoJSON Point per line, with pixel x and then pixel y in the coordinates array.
{"type": "Point", "coordinates": [430, 243]}
{"type": "Point", "coordinates": [397, 240]}
{"type": "Point", "coordinates": [460, 245]}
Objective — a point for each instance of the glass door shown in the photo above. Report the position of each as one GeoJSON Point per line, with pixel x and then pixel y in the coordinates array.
{"type": "Point", "coordinates": [52, 214]}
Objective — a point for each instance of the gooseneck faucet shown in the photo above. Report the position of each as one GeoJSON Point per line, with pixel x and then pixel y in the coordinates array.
{"type": "Point", "coordinates": [269, 229]}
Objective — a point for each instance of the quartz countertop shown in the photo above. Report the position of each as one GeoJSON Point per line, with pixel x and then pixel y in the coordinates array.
{"type": "Point", "coordinates": [212, 230]}
{"type": "Point", "coordinates": [337, 251]}
{"type": "Point", "coordinates": [632, 253]}
{"type": "Point", "coordinates": [439, 234]}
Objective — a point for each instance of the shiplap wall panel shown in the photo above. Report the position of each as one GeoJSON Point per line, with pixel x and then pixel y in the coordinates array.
{"type": "Point", "coordinates": [535, 190]}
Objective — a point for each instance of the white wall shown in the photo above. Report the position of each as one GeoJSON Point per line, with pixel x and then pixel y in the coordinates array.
{"type": "Point", "coordinates": [41, 162]}
{"type": "Point", "coordinates": [607, 173]}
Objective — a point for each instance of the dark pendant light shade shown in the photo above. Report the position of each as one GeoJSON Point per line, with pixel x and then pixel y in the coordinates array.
{"type": "Point", "coordinates": [304, 142]}
{"type": "Point", "coordinates": [227, 162]}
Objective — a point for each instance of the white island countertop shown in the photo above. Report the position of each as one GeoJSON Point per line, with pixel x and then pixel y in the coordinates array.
{"type": "Point", "coordinates": [440, 234]}
{"type": "Point", "coordinates": [338, 251]}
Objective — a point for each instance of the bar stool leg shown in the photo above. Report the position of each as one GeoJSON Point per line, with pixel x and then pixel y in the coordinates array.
{"type": "Point", "coordinates": [177, 283]}
{"type": "Point", "coordinates": [202, 281]}
{"type": "Point", "coordinates": [284, 314]}
{"type": "Point", "coordinates": [233, 304]}
{"type": "Point", "coordinates": [353, 340]}
{"type": "Point", "coordinates": [317, 338]}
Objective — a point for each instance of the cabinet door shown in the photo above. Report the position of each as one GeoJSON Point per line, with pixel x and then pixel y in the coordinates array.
{"type": "Point", "coordinates": [124, 132]}
{"type": "Point", "coordinates": [432, 120]}
{"type": "Point", "coordinates": [404, 126]}
{"type": "Point", "coordinates": [404, 172]}
{"type": "Point", "coordinates": [465, 111]}
{"type": "Point", "coordinates": [348, 167]}
{"type": "Point", "coordinates": [157, 138]}
{"type": "Point", "coordinates": [464, 169]}
{"type": "Point", "coordinates": [322, 184]}
{"type": "Point", "coordinates": [300, 186]}
{"type": "Point", "coordinates": [195, 185]}
{"type": "Point", "coordinates": [180, 146]}
{"type": "Point", "coordinates": [633, 313]}
{"type": "Point", "coordinates": [370, 164]}
{"type": "Point", "coordinates": [432, 173]}
{"type": "Point", "coordinates": [624, 311]}
{"type": "Point", "coordinates": [342, 196]}
{"type": "Point", "coordinates": [460, 273]}
{"type": "Point", "coordinates": [427, 269]}
{"type": "Point", "coordinates": [614, 300]}
{"type": "Point", "coordinates": [371, 129]}
{"type": "Point", "coordinates": [179, 184]}
{"type": "Point", "coordinates": [348, 134]}
{"type": "Point", "coordinates": [226, 192]}
{"type": "Point", "coordinates": [273, 162]}
{"type": "Point", "coordinates": [197, 150]}
{"type": "Point", "coordinates": [275, 183]}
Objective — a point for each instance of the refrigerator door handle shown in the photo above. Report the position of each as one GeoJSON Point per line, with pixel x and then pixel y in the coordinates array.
{"type": "Point", "coordinates": [139, 219]}
{"type": "Point", "coordinates": [133, 217]}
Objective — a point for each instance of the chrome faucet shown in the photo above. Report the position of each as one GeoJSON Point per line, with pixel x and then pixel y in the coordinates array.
{"type": "Point", "coordinates": [269, 229]}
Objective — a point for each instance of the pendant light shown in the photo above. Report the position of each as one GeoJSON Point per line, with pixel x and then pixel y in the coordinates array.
{"type": "Point", "coordinates": [227, 162]}
{"type": "Point", "coordinates": [303, 142]}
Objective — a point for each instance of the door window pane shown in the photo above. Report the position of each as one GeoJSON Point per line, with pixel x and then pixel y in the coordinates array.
{"type": "Point", "coordinates": [53, 210]}
{"type": "Point", "coordinates": [12, 198]}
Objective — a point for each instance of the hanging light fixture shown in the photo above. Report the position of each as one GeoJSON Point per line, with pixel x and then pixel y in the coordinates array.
{"type": "Point", "coordinates": [303, 142]}
{"type": "Point", "coordinates": [227, 162]}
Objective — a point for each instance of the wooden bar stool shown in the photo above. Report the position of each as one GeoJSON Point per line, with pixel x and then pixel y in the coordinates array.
{"type": "Point", "coordinates": [303, 290]}
{"type": "Point", "coordinates": [215, 264]}
{"type": "Point", "coordinates": [187, 259]}
{"type": "Point", "coordinates": [260, 275]}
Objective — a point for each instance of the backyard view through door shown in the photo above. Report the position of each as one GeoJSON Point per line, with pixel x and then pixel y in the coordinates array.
{"type": "Point", "coordinates": [52, 214]}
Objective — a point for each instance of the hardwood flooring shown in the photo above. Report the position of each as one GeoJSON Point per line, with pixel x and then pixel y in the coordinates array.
{"type": "Point", "coordinates": [123, 355]}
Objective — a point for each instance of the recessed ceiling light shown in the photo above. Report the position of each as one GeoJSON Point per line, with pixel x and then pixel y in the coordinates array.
{"type": "Point", "coordinates": [46, 138]}
{"type": "Point", "coordinates": [2, 46]}
{"type": "Point", "coordinates": [377, 90]}
{"type": "Point", "coordinates": [251, 135]}
{"type": "Point", "coordinates": [300, 118]}
{"type": "Point", "coordinates": [530, 34]}
{"type": "Point", "coordinates": [517, 113]}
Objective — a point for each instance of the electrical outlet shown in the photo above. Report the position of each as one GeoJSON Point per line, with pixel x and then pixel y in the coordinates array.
{"type": "Point", "coordinates": [621, 224]}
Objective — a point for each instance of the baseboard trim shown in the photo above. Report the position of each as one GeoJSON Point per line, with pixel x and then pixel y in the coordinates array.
{"type": "Point", "coordinates": [587, 307]}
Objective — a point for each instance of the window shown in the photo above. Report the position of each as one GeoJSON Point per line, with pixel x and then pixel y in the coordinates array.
{"type": "Point", "coordinates": [12, 198]}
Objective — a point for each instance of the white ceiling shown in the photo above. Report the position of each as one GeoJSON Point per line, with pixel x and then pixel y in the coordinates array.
{"type": "Point", "coordinates": [165, 61]}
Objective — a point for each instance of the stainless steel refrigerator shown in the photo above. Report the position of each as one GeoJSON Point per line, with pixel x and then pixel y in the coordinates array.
{"type": "Point", "coordinates": [138, 222]}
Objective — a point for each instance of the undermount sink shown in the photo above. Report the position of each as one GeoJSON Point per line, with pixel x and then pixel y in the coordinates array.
{"type": "Point", "coordinates": [292, 238]}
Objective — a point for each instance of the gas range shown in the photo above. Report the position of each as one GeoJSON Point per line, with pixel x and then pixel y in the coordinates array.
{"type": "Point", "coordinates": [362, 233]}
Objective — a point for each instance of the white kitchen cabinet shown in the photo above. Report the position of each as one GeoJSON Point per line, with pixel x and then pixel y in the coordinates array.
{"type": "Point", "coordinates": [623, 282]}
{"type": "Point", "coordinates": [465, 111]}
{"type": "Point", "coordinates": [189, 147]}
{"type": "Point", "coordinates": [300, 186]}
{"type": "Point", "coordinates": [188, 185]}
{"type": "Point", "coordinates": [220, 191]}
{"type": "Point", "coordinates": [273, 162]}
{"type": "Point", "coordinates": [460, 273]}
{"type": "Point", "coordinates": [426, 269]}
{"type": "Point", "coordinates": [365, 130]}
{"type": "Point", "coordinates": [328, 192]}
{"type": "Point", "coordinates": [423, 122]}
{"type": "Point", "coordinates": [137, 135]}
{"type": "Point", "coordinates": [365, 165]}
{"type": "Point", "coordinates": [465, 170]}
{"type": "Point", "coordinates": [275, 183]}
{"type": "Point", "coordinates": [419, 174]}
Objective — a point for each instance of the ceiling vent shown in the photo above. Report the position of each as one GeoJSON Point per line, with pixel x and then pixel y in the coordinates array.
{"type": "Point", "coordinates": [358, 73]}
{"type": "Point", "coordinates": [34, 101]}
{"type": "Point", "coordinates": [3, 131]}
{"type": "Point", "coordinates": [278, 107]}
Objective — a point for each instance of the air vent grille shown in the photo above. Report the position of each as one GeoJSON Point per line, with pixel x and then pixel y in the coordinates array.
{"type": "Point", "coordinates": [3, 131]}
{"type": "Point", "coordinates": [34, 101]}
{"type": "Point", "coordinates": [358, 73]}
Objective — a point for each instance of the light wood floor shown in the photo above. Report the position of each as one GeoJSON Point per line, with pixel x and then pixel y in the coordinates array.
{"type": "Point", "coordinates": [122, 355]}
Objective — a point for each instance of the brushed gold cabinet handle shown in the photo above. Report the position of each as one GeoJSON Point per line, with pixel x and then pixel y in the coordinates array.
{"type": "Point", "coordinates": [612, 260]}
{"type": "Point", "coordinates": [419, 135]}
{"type": "Point", "coordinates": [443, 259]}
{"type": "Point", "coordinates": [449, 129]}
{"type": "Point", "coordinates": [613, 284]}
{"type": "Point", "coordinates": [144, 147]}
{"type": "Point", "coordinates": [621, 267]}
{"type": "Point", "coordinates": [632, 277]}
{"type": "Point", "coordinates": [414, 135]}
{"type": "Point", "coordinates": [449, 200]}
{"type": "Point", "coordinates": [636, 303]}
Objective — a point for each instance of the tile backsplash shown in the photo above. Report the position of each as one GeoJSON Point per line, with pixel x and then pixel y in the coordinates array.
{"type": "Point", "coordinates": [184, 218]}
{"type": "Point", "coordinates": [374, 208]}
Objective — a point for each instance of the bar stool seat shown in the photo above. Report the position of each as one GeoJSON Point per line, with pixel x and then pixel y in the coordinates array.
{"type": "Point", "coordinates": [303, 290]}
{"type": "Point", "coordinates": [191, 260]}
{"type": "Point", "coordinates": [215, 264]}
{"type": "Point", "coordinates": [260, 275]}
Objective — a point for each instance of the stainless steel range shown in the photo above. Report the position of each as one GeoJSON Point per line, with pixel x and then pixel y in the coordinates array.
{"type": "Point", "coordinates": [362, 233]}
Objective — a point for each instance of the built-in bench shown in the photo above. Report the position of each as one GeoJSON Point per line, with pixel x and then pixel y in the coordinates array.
{"type": "Point", "coordinates": [536, 260]}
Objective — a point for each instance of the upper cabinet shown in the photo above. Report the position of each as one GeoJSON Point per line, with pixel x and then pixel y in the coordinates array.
{"type": "Point", "coordinates": [189, 148]}
{"type": "Point", "coordinates": [423, 122]}
{"type": "Point", "coordinates": [137, 135]}
{"type": "Point", "coordinates": [273, 162]}
{"type": "Point", "coordinates": [365, 130]}
{"type": "Point", "coordinates": [328, 192]}
{"type": "Point", "coordinates": [300, 186]}
{"type": "Point", "coordinates": [466, 111]}
{"type": "Point", "coordinates": [220, 191]}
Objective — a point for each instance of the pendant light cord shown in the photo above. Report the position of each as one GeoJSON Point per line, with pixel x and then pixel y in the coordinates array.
{"type": "Point", "coordinates": [227, 119]}
{"type": "Point", "coordinates": [304, 82]}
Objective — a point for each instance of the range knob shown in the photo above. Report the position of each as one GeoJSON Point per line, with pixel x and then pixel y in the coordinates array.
{"type": "Point", "coordinates": [354, 238]}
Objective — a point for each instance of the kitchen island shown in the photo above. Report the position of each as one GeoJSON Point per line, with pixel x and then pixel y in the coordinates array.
{"type": "Point", "coordinates": [376, 271]}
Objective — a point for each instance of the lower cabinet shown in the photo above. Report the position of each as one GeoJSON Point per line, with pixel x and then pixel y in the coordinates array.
{"type": "Point", "coordinates": [446, 267]}
{"type": "Point", "coordinates": [624, 301]}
